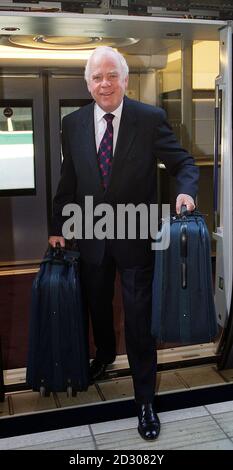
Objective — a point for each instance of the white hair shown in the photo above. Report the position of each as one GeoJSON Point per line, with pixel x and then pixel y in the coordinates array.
{"type": "Point", "coordinates": [103, 51]}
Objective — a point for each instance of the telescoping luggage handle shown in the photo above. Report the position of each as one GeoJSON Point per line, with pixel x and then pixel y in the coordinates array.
{"type": "Point", "coordinates": [184, 247]}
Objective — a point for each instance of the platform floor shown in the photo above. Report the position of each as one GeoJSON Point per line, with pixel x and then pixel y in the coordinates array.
{"type": "Point", "coordinates": [203, 427]}
{"type": "Point", "coordinates": [200, 427]}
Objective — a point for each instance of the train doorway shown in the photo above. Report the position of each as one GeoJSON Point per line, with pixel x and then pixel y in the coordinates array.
{"type": "Point", "coordinates": [163, 72]}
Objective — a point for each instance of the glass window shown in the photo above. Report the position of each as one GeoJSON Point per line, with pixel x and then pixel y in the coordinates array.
{"type": "Point", "coordinates": [68, 106]}
{"type": "Point", "coordinates": [67, 110]}
{"type": "Point", "coordinates": [17, 172]}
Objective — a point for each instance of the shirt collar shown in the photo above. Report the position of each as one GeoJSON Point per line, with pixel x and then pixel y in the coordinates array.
{"type": "Point", "coordinates": [100, 112]}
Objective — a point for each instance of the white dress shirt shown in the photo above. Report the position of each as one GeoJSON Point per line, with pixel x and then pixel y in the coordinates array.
{"type": "Point", "coordinates": [101, 124]}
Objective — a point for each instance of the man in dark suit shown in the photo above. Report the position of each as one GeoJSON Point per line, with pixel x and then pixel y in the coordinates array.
{"type": "Point", "coordinates": [110, 149]}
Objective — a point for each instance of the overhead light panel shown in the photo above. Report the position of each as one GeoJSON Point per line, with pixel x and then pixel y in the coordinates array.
{"type": "Point", "coordinates": [41, 41]}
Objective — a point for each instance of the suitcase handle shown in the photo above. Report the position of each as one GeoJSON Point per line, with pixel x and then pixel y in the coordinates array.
{"type": "Point", "coordinates": [58, 251]}
{"type": "Point", "coordinates": [184, 211]}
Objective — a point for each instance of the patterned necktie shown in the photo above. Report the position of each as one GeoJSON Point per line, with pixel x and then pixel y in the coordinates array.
{"type": "Point", "coordinates": [105, 152]}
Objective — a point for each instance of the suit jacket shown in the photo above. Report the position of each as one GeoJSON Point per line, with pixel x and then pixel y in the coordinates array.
{"type": "Point", "coordinates": [144, 136]}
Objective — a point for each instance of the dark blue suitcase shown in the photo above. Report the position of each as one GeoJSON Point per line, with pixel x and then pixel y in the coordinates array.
{"type": "Point", "coordinates": [183, 309]}
{"type": "Point", "coordinates": [58, 341]}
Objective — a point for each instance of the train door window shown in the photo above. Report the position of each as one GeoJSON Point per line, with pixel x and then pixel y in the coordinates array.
{"type": "Point", "coordinates": [17, 166]}
{"type": "Point", "coordinates": [67, 106]}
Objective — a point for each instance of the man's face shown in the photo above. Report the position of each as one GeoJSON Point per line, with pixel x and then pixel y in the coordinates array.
{"type": "Point", "coordinates": [106, 84]}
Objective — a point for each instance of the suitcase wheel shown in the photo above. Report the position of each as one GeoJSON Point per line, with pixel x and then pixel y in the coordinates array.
{"type": "Point", "coordinates": [44, 392]}
{"type": "Point", "coordinates": [69, 391]}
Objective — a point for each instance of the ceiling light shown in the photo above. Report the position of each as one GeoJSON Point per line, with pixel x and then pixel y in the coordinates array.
{"type": "Point", "coordinates": [41, 41]}
{"type": "Point", "coordinates": [10, 29]}
{"type": "Point", "coordinates": [7, 52]}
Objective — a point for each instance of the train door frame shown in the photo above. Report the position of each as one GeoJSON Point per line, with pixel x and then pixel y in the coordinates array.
{"type": "Point", "coordinates": [226, 149]}
{"type": "Point", "coordinates": [27, 229]}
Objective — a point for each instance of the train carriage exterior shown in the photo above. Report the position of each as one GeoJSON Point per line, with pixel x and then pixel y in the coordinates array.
{"type": "Point", "coordinates": [180, 61]}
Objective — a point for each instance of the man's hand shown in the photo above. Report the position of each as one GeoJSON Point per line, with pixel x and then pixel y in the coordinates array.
{"type": "Point", "coordinates": [184, 200]}
{"type": "Point", "coordinates": [54, 240]}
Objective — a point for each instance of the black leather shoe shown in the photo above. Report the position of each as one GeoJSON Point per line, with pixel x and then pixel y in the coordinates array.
{"type": "Point", "coordinates": [97, 370]}
{"type": "Point", "coordinates": [148, 424]}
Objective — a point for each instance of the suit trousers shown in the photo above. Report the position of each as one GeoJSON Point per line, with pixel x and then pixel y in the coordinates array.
{"type": "Point", "coordinates": [136, 285]}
